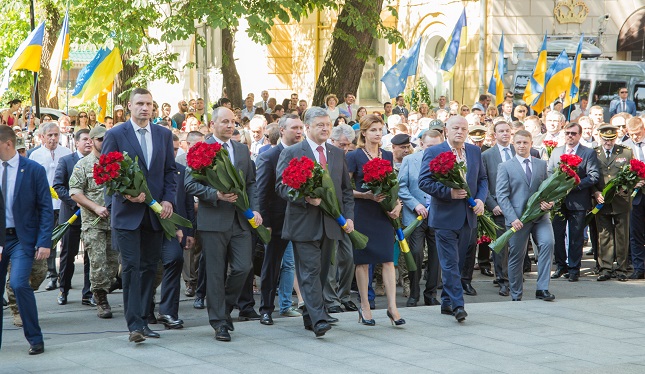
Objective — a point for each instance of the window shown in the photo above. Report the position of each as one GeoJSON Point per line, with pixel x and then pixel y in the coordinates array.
{"type": "Point", "coordinates": [605, 92]}
{"type": "Point", "coordinates": [639, 97]}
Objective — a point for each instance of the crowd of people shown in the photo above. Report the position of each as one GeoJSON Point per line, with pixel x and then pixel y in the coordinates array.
{"type": "Point", "coordinates": [503, 149]}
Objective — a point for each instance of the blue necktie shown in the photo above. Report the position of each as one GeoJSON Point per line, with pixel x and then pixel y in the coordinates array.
{"type": "Point", "coordinates": [507, 155]}
{"type": "Point", "coordinates": [528, 169]}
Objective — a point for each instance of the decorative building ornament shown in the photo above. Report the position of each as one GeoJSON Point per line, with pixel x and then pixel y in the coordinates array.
{"type": "Point", "coordinates": [571, 11]}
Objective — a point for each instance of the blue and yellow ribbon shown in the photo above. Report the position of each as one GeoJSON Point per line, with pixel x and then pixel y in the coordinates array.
{"type": "Point", "coordinates": [73, 218]}
{"type": "Point", "coordinates": [248, 214]}
{"type": "Point", "coordinates": [342, 222]}
{"type": "Point", "coordinates": [403, 244]}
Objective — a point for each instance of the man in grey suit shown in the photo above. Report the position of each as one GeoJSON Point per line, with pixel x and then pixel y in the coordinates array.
{"type": "Point", "coordinates": [313, 233]}
{"type": "Point", "coordinates": [502, 151]}
{"type": "Point", "coordinates": [224, 232]}
{"type": "Point", "coordinates": [517, 180]}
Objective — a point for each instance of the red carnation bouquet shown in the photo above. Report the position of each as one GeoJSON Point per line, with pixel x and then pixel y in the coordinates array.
{"type": "Point", "coordinates": [625, 181]}
{"type": "Point", "coordinates": [554, 188]}
{"type": "Point", "coordinates": [211, 164]}
{"type": "Point", "coordinates": [307, 178]}
{"type": "Point", "coordinates": [120, 174]}
{"type": "Point", "coordinates": [379, 177]}
{"type": "Point", "coordinates": [550, 145]}
{"type": "Point", "coordinates": [452, 174]}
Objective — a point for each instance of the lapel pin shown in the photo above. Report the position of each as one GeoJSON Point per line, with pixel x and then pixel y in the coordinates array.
{"type": "Point", "coordinates": [22, 170]}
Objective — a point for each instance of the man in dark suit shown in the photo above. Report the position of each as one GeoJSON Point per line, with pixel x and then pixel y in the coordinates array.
{"type": "Point", "coordinates": [313, 233]}
{"type": "Point", "coordinates": [454, 221]}
{"type": "Point", "coordinates": [137, 230]}
{"type": "Point", "coordinates": [575, 205]}
{"type": "Point", "coordinates": [224, 232]}
{"type": "Point", "coordinates": [502, 151]}
{"type": "Point", "coordinates": [272, 209]}
{"type": "Point", "coordinates": [28, 236]}
{"type": "Point", "coordinates": [400, 107]}
{"type": "Point", "coordinates": [71, 240]}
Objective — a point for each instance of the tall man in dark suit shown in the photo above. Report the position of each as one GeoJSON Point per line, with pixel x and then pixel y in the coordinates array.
{"type": "Point", "coordinates": [313, 233]}
{"type": "Point", "coordinates": [400, 107]}
{"type": "Point", "coordinates": [138, 232]}
{"type": "Point", "coordinates": [575, 205]}
{"type": "Point", "coordinates": [28, 236]}
{"type": "Point", "coordinates": [71, 241]}
{"type": "Point", "coordinates": [272, 209]}
{"type": "Point", "coordinates": [224, 232]}
{"type": "Point", "coordinates": [454, 221]}
{"type": "Point", "coordinates": [502, 151]}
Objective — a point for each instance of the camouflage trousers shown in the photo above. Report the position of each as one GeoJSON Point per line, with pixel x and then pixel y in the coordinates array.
{"type": "Point", "coordinates": [104, 263]}
{"type": "Point", "coordinates": [36, 278]}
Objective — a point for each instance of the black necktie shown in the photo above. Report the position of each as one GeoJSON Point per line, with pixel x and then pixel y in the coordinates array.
{"type": "Point", "coordinates": [608, 154]}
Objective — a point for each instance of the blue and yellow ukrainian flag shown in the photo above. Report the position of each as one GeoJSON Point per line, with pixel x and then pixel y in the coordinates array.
{"type": "Point", "coordinates": [97, 75]}
{"type": "Point", "coordinates": [573, 96]}
{"type": "Point", "coordinates": [396, 78]}
{"type": "Point", "coordinates": [496, 85]}
{"type": "Point", "coordinates": [27, 56]}
{"type": "Point", "coordinates": [535, 85]}
{"type": "Point", "coordinates": [558, 80]}
{"type": "Point", "coordinates": [60, 53]}
{"type": "Point", "coordinates": [451, 49]}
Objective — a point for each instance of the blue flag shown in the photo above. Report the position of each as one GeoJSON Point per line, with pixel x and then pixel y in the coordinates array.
{"type": "Point", "coordinates": [396, 77]}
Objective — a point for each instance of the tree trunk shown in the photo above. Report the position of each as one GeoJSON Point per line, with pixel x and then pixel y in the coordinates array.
{"type": "Point", "coordinates": [342, 69]}
{"type": "Point", "coordinates": [52, 29]}
{"type": "Point", "coordinates": [122, 81]}
{"type": "Point", "coordinates": [231, 79]}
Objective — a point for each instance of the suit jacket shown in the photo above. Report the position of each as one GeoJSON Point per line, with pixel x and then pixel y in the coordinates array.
{"type": "Point", "coordinates": [397, 110]}
{"type": "Point", "coordinates": [61, 184]}
{"type": "Point", "coordinates": [580, 196]}
{"type": "Point", "coordinates": [514, 189]}
{"type": "Point", "coordinates": [492, 159]}
{"type": "Point", "coordinates": [184, 203]}
{"type": "Point", "coordinates": [304, 222]}
{"type": "Point", "coordinates": [344, 107]}
{"type": "Point", "coordinates": [161, 176]}
{"type": "Point", "coordinates": [629, 143]}
{"type": "Point", "coordinates": [446, 213]}
{"type": "Point", "coordinates": [620, 156]}
{"type": "Point", "coordinates": [616, 106]}
{"type": "Point", "coordinates": [409, 192]}
{"type": "Point", "coordinates": [216, 215]}
{"type": "Point", "coordinates": [33, 213]}
{"type": "Point", "coordinates": [272, 206]}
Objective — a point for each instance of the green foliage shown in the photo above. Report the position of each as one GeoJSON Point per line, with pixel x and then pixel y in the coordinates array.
{"type": "Point", "coordinates": [417, 95]}
{"type": "Point", "coordinates": [14, 23]}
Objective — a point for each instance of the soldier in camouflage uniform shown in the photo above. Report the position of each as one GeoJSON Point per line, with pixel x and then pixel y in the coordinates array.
{"type": "Point", "coordinates": [96, 238]}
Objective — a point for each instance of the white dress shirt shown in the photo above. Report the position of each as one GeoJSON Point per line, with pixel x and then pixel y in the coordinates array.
{"type": "Point", "coordinates": [503, 154]}
{"type": "Point", "coordinates": [230, 148]}
{"type": "Point", "coordinates": [14, 162]}
{"type": "Point", "coordinates": [43, 156]}
{"type": "Point", "coordinates": [314, 148]}
{"type": "Point", "coordinates": [521, 160]}
{"type": "Point", "coordinates": [148, 140]}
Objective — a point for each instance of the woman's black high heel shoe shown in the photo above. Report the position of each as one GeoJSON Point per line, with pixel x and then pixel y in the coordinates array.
{"type": "Point", "coordinates": [398, 322]}
{"type": "Point", "coordinates": [366, 322]}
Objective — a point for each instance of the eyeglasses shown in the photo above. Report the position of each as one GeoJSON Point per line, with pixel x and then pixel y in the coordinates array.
{"type": "Point", "coordinates": [570, 133]}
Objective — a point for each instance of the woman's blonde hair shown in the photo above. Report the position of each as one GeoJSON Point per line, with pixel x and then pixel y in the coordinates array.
{"type": "Point", "coordinates": [331, 96]}
{"type": "Point", "coordinates": [366, 122]}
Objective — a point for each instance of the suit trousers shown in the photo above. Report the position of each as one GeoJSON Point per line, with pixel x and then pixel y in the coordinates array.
{"type": "Point", "coordinates": [468, 266]}
{"type": "Point", "coordinates": [22, 259]}
{"type": "Point", "coordinates": [51, 260]}
{"type": "Point", "coordinates": [336, 289]}
{"type": "Point", "coordinates": [200, 291]}
{"type": "Point", "coordinates": [452, 246]}
{"type": "Point", "coordinates": [500, 260]}
{"type": "Point", "coordinates": [172, 258]}
{"type": "Point", "coordinates": [637, 236]}
{"type": "Point", "coordinates": [542, 232]}
{"type": "Point", "coordinates": [613, 235]}
{"type": "Point", "coordinates": [225, 253]}
{"type": "Point", "coordinates": [70, 244]}
{"type": "Point", "coordinates": [271, 272]}
{"type": "Point", "coordinates": [483, 256]}
{"type": "Point", "coordinates": [312, 267]}
{"type": "Point", "coordinates": [140, 253]}
{"type": "Point", "coordinates": [575, 220]}
{"type": "Point", "coordinates": [419, 238]}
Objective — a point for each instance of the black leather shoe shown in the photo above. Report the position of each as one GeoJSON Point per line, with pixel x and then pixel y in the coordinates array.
{"type": "Point", "coordinates": [503, 290]}
{"type": "Point", "coordinates": [487, 272]}
{"type": "Point", "coordinates": [603, 277]}
{"type": "Point", "coordinates": [52, 285]}
{"type": "Point", "coordinates": [350, 306]}
{"type": "Point", "coordinates": [621, 277]}
{"type": "Point", "coordinates": [331, 319]}
{"type": "Point", "coordinates": [266, 319]}
{"type": "Point", "coordinates": [469, 290]}
{"type": "Point", "coordinates": [558, 273]}
{"type": "Point", "coordinates": [517, 299]}
{"type": "Point", "coordinates": [411, 302]}
{"type": "Point", "coordinates": [137, 336]}
{"type": "Point", "coordinates": [589, 252]}
{"type": "Point", "coordinates": [460, 314]}
{"type": "Point", "coordinates": [89, 301]}
{"type": "Point", "coordinates": [170, 322]}
{"type": "Point", "coordinates": [372, 304]}
{"type": "Point", "coordinates": [250, 315]}
{"type": "Point", "coordinates": [149, 333]}
{"type": "Point", "coordinates": [151, 319]}
{"type": "Point", "coordinates": [544, 295]}
{"type": "Point", "coordinates": [37, 349]}
{"type": "Point", "coordinates": [637, 275]}
{"type": "Point", "coordinates": [432, 301]}
{"type": "Point", "coordinates": [573, 277]}
{"type": "Point", "coordinates": [334, 309]}
{"type": "Point", "coordinates": [222, 335]}
{"type": "Point", "coordinates": [446, 309]}
{"type": "Point", "coordinates": [321, 328]}
{"type": "Point", "coordinates": [198, 303]}
{"type": "Point", "coordinates": [62, 298]}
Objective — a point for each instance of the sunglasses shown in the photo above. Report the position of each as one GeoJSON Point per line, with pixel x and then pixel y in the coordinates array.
{"type": "Point", "coordinates": [623, 91]}
{"type": "Point", "coordinates": [99, 139]}
{"type": "Point", "coordinates": [570, 133]}
{"type": "Point", "coordinates": [82, 116]}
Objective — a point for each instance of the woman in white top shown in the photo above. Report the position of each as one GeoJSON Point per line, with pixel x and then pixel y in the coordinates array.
{"type": "Point", "coordinates": [331, 101]}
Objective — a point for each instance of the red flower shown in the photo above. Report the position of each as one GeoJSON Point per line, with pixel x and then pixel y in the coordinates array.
{"type": "Point", "coordinates": [202, 155]}
{"type": "Point", "coordinates": [484, 239]}
{"type": "Point", "coordinates": [550, 143]}
{"type": "Point", "coordinates": [571, 160]}
{"type": "Point", "coordinates": [298, 172]}
{"type": "Point", "coordinates": [570, 172]}
{"type": "Point", "coordinates": [637, 167]}
{"type": "Point", "coordinates": [376, 169]}
{"type": "Point", "coordinates": [443, 163]}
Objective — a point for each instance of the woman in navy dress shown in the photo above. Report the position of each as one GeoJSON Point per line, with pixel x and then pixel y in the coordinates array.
{"type": "Point", "coordinates": [371, 220]}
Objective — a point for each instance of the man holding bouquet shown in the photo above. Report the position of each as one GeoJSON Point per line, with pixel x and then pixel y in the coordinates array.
{"type": "Point", "coordinates": [454, 221]}
{"type": "Point", "coordinates": [517, 180]}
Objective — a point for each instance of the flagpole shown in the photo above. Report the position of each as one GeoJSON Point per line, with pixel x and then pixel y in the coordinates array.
{"type": "Point", "coordinates": [33, 26]}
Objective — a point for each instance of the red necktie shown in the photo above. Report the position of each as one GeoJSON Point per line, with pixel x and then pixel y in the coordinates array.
{"type": "Point", "coordinates": [321, 156]}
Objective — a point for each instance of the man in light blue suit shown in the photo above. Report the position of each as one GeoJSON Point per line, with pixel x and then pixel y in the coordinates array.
{"type": "Point", "coordinates": [415, 204]}
{"type": "Point", "coordinates": [452, 217]}
{"type": "Point", "coordinates": [517, 180]}
{"type": "Point", "coordinates": [622, 104]}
